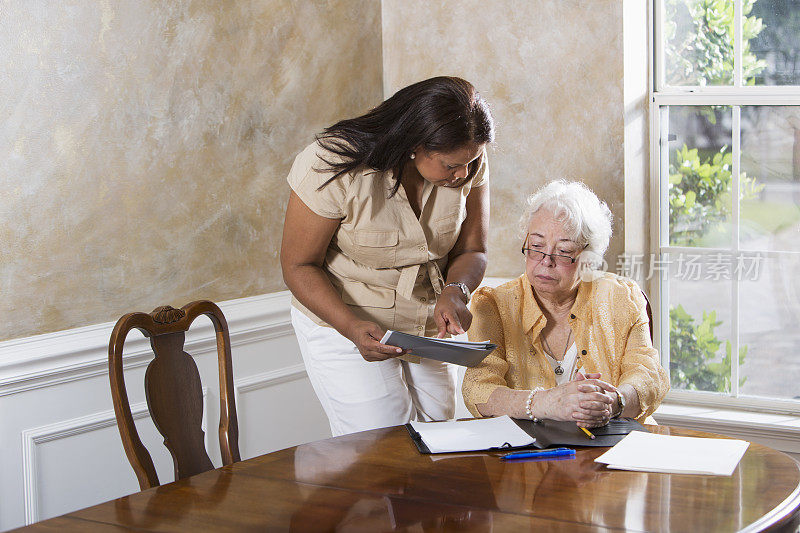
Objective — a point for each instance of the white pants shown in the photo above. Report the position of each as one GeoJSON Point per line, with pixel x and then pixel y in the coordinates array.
{"type": "Point", "coordinates": [358, 395]}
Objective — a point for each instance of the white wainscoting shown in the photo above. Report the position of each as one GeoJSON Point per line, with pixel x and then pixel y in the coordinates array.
{"type": "Point", "coordinates": [61, 448]}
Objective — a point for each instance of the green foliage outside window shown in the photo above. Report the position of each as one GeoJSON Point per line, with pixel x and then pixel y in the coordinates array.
{"type": "Point", "coordinates": [700, 195]}
{"type": "Point", "coordinates": [699, 207]}
{"type": "Point", "coordinates": [701, 53]}
{"type": "Point", "coordinates": [700, 185]}
{"type": "Point", "coordinates": [694, 347]}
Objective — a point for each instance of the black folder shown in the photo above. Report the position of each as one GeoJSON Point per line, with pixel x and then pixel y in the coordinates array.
{"type": "Point", "coordinates": [553, 433]}
{"type": "Point", "coordinates": [452, 351]}
{"type": "Point", "coordinates": [549, 433]}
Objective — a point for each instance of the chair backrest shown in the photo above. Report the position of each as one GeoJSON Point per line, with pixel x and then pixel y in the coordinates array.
{"type": "Point", "coordinates": [174, 391]}
{"type": "Point", "coordinates": [649, 315]}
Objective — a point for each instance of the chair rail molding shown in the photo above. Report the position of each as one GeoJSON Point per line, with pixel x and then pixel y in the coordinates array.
{"type": "Point", "coordinates": [268, 379]}
{"type": "Point", "coordinates": [63, 356]}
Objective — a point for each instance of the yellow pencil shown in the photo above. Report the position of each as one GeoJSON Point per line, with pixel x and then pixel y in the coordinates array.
{"type": "Point", "coordinates": [588, 433]}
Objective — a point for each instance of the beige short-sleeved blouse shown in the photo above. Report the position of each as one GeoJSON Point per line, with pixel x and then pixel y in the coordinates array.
{"type": "Point", "coordinates": [386, 263]}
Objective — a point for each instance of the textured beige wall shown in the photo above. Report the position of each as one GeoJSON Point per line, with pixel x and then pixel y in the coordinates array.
{"type": "Point", "coordinates": [144, 145]}
{"type": "Point", "coordinates": [551, 69]}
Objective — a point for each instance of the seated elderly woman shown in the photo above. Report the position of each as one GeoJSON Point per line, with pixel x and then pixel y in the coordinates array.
{"type": "Point", "coordinates": [573, 343]}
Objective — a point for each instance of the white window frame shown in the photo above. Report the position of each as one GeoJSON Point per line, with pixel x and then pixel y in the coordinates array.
{"type": "Point", "coordinates": [736, 95]}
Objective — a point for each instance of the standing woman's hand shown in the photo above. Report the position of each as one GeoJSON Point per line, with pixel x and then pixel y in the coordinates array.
{"type": "Point", "coordinates": [451, 314]}
{"type": "Point", "coordinates": [466, 264]}
{"type": "Point", "coordinates": [367, 337]}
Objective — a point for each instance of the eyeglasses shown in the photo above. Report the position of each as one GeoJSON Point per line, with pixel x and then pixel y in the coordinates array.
{"type": "Point", "coordinates": [563, 260]}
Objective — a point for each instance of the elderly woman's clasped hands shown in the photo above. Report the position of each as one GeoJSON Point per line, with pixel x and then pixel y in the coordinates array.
{"type": "Point", "coordinates": [585, 399]}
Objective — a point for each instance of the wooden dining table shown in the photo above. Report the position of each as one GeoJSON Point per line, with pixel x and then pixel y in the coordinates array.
{"type": "Point", "coordinates": [378, 481]}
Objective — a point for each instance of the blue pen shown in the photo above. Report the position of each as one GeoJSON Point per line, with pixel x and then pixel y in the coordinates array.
{"type": "Point", "coordinates": [555, 452]}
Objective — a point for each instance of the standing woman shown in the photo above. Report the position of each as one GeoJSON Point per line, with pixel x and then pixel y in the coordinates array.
{"type": "Point", "coordinates": [386, 228]}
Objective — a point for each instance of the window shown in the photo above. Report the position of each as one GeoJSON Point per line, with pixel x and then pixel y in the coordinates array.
{"type": "Point", "coordinates": [725, 156]}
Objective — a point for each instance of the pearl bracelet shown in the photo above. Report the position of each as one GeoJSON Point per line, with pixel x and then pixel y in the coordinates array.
{"type": "Point", "coordinates": [528, 403]}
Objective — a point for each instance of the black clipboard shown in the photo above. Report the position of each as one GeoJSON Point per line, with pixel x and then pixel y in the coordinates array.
{"type": "Point", "coordinates": [549, 433]}
{"type": "Point", "coordinates": [416, 438]}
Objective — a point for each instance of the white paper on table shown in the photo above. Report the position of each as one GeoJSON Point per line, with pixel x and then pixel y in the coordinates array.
{"type": "Point", "coordinates": [471, 435]}
{"type": "Point", "coordinates": [651, 452]}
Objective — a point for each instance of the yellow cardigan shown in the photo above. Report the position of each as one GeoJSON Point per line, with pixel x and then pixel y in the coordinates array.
{"type": "Point", "coordinates": [610, 326]}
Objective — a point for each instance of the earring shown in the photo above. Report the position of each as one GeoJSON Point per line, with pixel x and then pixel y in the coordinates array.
{"type": "Point", "coordinates": [413, 155]}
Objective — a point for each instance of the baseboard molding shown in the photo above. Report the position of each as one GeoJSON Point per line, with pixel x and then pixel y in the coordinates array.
{"type": "Point", "coordinates": [54, 358]}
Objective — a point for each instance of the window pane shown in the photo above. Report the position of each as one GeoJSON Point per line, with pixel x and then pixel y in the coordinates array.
{"type": "Point", "coordinates": [698, 42]}
{"type": "Point", "coordinates": [700, 165]}
{"type": "Point", "coordinates": [769, 302]}
{"type": "Point", "coordinates": [699, 321]}
{"type": "Point", "coordinates": [773, 30]}
{"type": "Point", "coordinates": [770, 184]}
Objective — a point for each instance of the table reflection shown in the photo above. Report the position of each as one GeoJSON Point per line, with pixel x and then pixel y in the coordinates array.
{"type": "Point", "coordinates": [378, 481]}
{"type": "Point", "coordinates": [411, 497]}
{"type": "Point", "coordinates": [148, 515]}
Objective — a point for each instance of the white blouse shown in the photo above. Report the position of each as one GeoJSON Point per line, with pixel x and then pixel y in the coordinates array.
{"type": "Point", "coordinates": [568, 364]}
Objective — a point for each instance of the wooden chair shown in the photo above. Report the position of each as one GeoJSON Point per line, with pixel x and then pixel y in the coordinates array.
{"type": "Point", "coordinates": [649, 315]}
{"type": "Point", "coordinates": [174, 391]}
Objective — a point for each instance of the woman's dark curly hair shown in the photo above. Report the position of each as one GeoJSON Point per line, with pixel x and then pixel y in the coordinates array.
{"type": "Point", "coordinates": [441, 114]}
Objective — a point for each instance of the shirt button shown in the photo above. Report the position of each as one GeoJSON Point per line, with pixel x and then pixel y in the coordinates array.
{"type": "Point", "coordinates": [420, 328]}
{"type": "Point", "coordinates": [583, 352]}
{"type": "Point", "coordinates": [423, 299]}
{"type": "Point", "coordinates": [572, 317]}
{"type": "Point", "coordinates": [421, 248]}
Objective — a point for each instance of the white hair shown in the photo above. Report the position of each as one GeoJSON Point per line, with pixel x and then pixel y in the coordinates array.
{"type": "Point", "coordinates": [586, 218]}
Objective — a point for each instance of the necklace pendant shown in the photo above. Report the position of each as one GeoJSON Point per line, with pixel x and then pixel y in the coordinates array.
{"type": "Point", "coordinates": [559, 370]}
